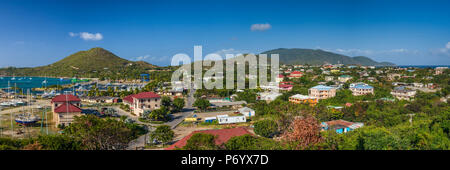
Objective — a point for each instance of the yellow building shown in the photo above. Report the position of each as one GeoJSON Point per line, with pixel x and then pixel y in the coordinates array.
{"type": "Point", "coordinates": [298, 99]}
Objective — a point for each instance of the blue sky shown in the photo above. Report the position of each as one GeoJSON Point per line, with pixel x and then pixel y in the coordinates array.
{"type": "Point", "coordinates": [35, 33]}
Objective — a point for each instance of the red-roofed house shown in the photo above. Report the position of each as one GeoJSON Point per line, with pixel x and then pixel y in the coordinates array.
{"type": "Point", "coordinates": [279, 78]}
{"type": "Point", "coordinates": [222, 136]}
{"type": "Point", "coordinates": [143, 101]}
{"type": "Point", "coordinates": [295, 74]}
{"type": "Point", "coordinates": [286, 87]}
{"type": "Point", "coordinates": [64, 108]}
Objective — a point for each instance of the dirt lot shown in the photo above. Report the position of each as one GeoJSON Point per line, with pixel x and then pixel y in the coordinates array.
{"type": "Point", "coordinates": [182, 131]}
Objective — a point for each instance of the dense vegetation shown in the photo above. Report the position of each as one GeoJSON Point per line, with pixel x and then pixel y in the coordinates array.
{"type": "Point", "coordinates": [319, 57]}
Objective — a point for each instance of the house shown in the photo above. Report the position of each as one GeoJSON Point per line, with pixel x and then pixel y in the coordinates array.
{"type": "Point", "coordinates": [393, 76]}
{"type": "Point", "coordinates": [322, 92]}
{"type": "Point", "coordinates": [440, 70]}
{"type": "Point", "coordinates": [141, 102]}
{"type": "Point", "coordinates": [247, 112]}
{"type": "Point", "coordinates": [335, 71]}
{"type": "Point", "coordinates": [344, 78]}
{"type": "Point", "coordinates": [225, 119]}
{"type": "Point", "coordinates": [340, 126]}
{"type": "Point", "coordinates": [295, 74]}
{"type": "Point", "coordinates": [359, 89]}
{"type": "Point", "coordinates": [222, 136]}
{"type": "Point", "coordinates": [268, 96]}
{"type": "Point", "coordinates": [298, 98]}
{"type": "Point", "coordinates": [65, 108]}
{"type": "Point", "coordinates": [329, 78]}
{"type": "Point", "coordinates": [403, 93]}
{"type": "Point", "coordinates": [286, 87]}
{"type": "Point", "coordinates": [279, 78]}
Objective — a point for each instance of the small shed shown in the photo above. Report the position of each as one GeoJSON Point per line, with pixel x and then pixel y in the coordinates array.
{"type": "Point", "coordinates": [210, 119]}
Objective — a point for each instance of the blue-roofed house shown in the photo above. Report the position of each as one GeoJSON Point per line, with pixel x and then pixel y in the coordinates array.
{"type": "Point", "coordinates": [359, 89]}
{"type": "Point", "coordinates": [322, 92]}
{"type": "Point", "coordinates": [340, 126]}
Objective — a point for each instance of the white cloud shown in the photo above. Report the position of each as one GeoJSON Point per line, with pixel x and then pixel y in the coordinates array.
{"type": "Point", "coordinates": [87, 36]}
{"type": "Point", "coordinates": [354, 51]}
{"type": "Point", "coordinates": [148, 58]}
{"type": "Point", "coordinates": [446, 49]}
{"type": "Point", "coordinates": [260, 27]}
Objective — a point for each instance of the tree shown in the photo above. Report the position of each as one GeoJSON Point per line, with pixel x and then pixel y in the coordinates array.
{"type": "Point", "coordinates": [159, 114]}
{"type": "Point", "coordinates": [303, 133]}
{"type": "Point", "coordinates": [201, 141]}
{"type": "Point", "coordinates": [165, 101]}
{"type": "Point", "coordinates": [266, 128]}
{"type": "Point", "coordinates": [202, 104]}
{"type": "Point", "coordinates": [163, 134]}
{"type": "Point", "coordinates": [100, 134]}
{"type": "Point", "coordinates": [178, 104]}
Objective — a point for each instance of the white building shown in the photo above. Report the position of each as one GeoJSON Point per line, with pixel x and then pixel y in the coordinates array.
{"type": "Point", "coordinates": [225, 119]}
{"type": "Point", "coordinates": [247, 112]}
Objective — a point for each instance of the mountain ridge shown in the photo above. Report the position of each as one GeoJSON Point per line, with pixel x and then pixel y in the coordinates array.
{"type": "Point", "coordinates": [320, 57]}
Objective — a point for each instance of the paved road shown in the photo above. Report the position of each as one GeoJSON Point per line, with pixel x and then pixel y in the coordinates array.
{"type": "Point", "coordinates": [177, 118]}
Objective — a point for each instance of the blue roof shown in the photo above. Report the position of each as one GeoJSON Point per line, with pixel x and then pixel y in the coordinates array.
{"type": "Point", "coordinates": [322, 87]}
{"type": "Point", "coordinates": [363, 86]}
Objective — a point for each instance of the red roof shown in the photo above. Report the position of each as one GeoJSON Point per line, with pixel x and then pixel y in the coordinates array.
{"type": "Point", "coordinates": [286, 86]}
{"type": "Point", "coordinates": [296, 72]}
{"type": "Point", "coordinates": [128, 98]}
{"type": "Point", "coordinates": [64, 108]}
{"type": "Point", "coordinates": [66, 98]}
{"type": "Point", "coordinates": [280, 76]}
{"type": "Point", "coordinates": [222, 136]}
{"type": "Point", "coordinates": [339, 122]}
{"type": "Point", "coordinates": [287, 82]}
{"type": "Point", "coordinates": [146, 95]}
{"type": "Point", "coordinates": [142, 95]}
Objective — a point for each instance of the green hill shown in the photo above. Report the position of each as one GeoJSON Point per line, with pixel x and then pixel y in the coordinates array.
{"type": "Point", "coordinates": [319, 57]}
{"type": "Point", "coordinates": [91, 63]}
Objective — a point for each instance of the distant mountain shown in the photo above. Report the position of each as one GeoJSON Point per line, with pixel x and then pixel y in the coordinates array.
{"type": "Point", "coordinates": [96, 61]}
{"type": "Point", "coordinates": [320, 57]}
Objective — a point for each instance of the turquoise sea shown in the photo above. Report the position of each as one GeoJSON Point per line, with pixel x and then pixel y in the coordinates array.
{"type": "Point", "coordinates": [26, 83]}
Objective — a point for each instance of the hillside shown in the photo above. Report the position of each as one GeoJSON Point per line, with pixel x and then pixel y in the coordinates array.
{"type": "Point", "coordinates": [90, 63]}
{"type": "Point", "coordinates": [319, 57]}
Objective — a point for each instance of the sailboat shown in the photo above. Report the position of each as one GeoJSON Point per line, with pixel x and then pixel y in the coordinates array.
{"type": "Point", "coordinates": [26, 118]}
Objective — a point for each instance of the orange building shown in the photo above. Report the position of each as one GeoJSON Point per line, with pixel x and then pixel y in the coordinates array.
{"type": "Point", "coordinates": [298, 98]}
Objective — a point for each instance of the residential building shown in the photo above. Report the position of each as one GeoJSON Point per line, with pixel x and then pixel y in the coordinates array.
{"type": "Point", "coordinates": [141, 102]}
{"type": "Point", "coordinates": [322, 92]}
{"type": "Point", "coordinates": [268, 96]}
{"type": "Point", "coordinates": [247, 112]}
{"type": "Point", "coordinates": [403, 93]}
{"type": "Point", "coordinates": [361, 89]}
{"type": "Point", "coordinates": [65, 108]}
{"type": "Point", "coordinates": [440, 70]}
{"type": "Point", "coordinates": [344, 78]}
{"type": "Point", "coordinates": [295, 74]}
{"type": "Point", "coordinates": [279, 78]}
{"type": "Point", "coordinates": [340, 126]}
{"type": "Point", "coordinates": [298, 98]}
{"type": "Point", "coordinates": [329, 78]}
